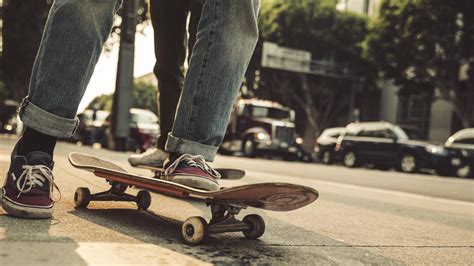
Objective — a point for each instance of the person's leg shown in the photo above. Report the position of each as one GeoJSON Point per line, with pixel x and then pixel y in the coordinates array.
{"type": "Point", "coordinates": [195, 8]}
{"type": "Point", "coordinates": [75, 32]}
{"type": "Point", "coordinates": [226, 39]}
{"type": "Point", "coordinates": [169, 20]}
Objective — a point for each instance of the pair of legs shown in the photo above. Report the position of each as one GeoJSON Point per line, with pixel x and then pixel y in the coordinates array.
{"type": "Point", "coordinates": [171, 29]}
{"type": "Point", "coordinates": [74, 35]}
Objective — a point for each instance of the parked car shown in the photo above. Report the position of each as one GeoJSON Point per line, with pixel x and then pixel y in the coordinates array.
{"type": "Point", "coordinates": [325, 144]}
{"type": "Point", "coordinates": [385, 145]}
{"type": "Point", "coordinates": [260, 127]}
{"type": "Point", "coordinates": [9, 120]}
{"type": "Point", "coordinates": [89, 130]}
{"type": "Point", "coordinates": [144, 130]}
{"type": "Point", "coordinates": [302, 154]}
{"type": "Point", "coordinates": [463, 141]}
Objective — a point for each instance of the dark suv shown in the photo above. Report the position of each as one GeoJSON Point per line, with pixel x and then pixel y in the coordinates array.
{"type": "Point", "coordinates": [385, 145]}
{"type": "Point", "coordinates": [463, 141]}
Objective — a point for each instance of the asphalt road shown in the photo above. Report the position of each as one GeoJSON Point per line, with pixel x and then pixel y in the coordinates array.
{"type": "Point", "coordinates": [362, 217]}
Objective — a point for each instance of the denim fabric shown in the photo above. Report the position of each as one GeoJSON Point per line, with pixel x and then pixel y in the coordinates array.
{"type": "Point", "coordinates": [169, 19]}
{"type": "Point", "coordinates": [226, 38]}
{"type": "Point", "coordinates": [72, 43]}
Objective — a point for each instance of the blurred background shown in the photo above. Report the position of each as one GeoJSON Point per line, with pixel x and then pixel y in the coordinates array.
{"type": "Point", "coordinates": [384, 84]}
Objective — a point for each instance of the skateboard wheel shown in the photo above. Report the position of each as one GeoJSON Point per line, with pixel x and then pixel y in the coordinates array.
{"type": "Point", "coordinates": [143, 199]}
{"type": "Point", "coordinates": [82, 197]}
{"type": "Point", "coordinates": [256, 224]}
{"type": "Point", "coordinates": [194, 230]}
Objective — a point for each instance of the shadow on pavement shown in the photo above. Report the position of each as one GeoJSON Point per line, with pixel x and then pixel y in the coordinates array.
{"type": "Point", "coordinates": [282, 243]}
{"type": "Point", "coordinates": [29, 242]}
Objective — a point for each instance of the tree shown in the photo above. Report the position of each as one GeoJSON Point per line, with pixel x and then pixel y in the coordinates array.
{"type": "Point", "coordinates": [22, 31]}
{"type": "Point", "coordinates": [144, 97]}
{"type": "Point", "coordinates": [423, 45]}
{"type": "Point", "coordinates": [23, 24]}
{"type": "Point", "coordinates": [330, 35]}
{"type": "Point", "coordinates": [102, 102]}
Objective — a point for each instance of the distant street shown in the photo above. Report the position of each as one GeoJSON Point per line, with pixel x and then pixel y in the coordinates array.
{"type": "Point", "coordinates": [363, 216]}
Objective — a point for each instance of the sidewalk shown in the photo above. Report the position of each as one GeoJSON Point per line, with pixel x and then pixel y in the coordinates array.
{"type": "Point", "coordinates": [108, 233]}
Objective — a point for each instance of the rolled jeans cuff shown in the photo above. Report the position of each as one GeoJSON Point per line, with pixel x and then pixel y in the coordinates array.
{"type": "Point", "coordinates": [47, 123]}
{"type": "Point", "coordinates": [182, 146]}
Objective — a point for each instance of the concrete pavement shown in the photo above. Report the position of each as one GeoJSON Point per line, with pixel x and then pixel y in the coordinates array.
{"type": "Point", "coordinates": [362, 217]}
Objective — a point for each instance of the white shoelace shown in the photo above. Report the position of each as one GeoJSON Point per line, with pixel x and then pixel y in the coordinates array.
{"type": "Point", "coordinates": [35, 175]}
{"type": "Point", "coordinates": [194, 161]}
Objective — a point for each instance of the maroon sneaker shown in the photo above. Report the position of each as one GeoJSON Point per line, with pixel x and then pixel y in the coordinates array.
{"type": "Point", "coordinates": [28, 188]}
{"type": "Point", "coordinates": [191, 171]}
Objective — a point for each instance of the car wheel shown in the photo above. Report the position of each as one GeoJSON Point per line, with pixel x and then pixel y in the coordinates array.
{"type": "Point", "coordinates": [408, 163]}
{"type": "Point", "coordinates": [248, 148]}
{"type": "Point", "coordinates": [326, 158]}
{"type": "Point", "coordinates": [350, 159]}
{"type": "Point", "coordinates": [464, 171]}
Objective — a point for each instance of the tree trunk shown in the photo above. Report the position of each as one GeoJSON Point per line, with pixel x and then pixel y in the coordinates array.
{"type": "Point", "coordinates": [23, 23]}
{"type": "Point", "coordinates": [312, 113]}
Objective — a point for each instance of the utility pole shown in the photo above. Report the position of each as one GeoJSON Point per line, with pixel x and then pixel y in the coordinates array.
{"type": "Point", "coordinates": [123, 97]}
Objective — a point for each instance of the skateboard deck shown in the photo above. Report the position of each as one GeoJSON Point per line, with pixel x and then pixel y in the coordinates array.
{"type": "Point", "coordinates": [225, 203]}
{"type": "Point", "coordinates": [226, 173]}
{"type": "Point", "coordinates": [269, 196]}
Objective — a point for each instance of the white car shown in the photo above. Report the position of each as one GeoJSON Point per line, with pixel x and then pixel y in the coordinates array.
{"type": "Point", "coordinates": [463, 140]}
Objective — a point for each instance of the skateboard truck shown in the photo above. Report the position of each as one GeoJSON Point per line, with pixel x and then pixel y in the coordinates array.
{"type": "Point", "coordinates": [196, 229]}
{"type": "Point", "coordinates": [225, 204]}
{"type": "Point", "coordinates": [83, 196]}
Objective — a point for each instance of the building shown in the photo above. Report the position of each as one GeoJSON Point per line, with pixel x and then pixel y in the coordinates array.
{"type": "Point", "coordinates": [428, 114]}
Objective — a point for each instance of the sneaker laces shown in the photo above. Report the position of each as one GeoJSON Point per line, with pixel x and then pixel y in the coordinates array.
{"type": "Point", "coordinates": [35, 175]}
{"type": "Point", "coordinates": [193, 161]}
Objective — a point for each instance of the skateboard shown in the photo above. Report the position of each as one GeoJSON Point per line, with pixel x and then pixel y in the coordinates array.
{"type": "Point", "coordinates": [224, 204]}
{"type": "Point", "coordinates": [226, 173]}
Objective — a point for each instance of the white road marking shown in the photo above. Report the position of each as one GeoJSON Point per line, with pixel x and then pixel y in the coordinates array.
{"type": "Point", "coordinates": [364, 188]}
{"type": "Point", "coordinates": [92, 253]}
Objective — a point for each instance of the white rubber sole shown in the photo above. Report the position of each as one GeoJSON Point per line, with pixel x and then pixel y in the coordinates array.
{"type": "Point", "coordinates": [25, 212]}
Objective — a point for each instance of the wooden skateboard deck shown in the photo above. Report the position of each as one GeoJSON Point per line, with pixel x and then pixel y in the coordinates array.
{"type": "Point", "coordinates": [269, 196]}
{"type": "Point", "coordinates": [226, 173]}
{"type": "Point", "coordinates": [224, 204]}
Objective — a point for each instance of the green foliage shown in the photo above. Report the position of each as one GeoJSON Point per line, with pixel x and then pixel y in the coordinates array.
{"type": "Point", "coordinates": [330, 35]}
{"type": "Point", "coordinates": [102, 102]}
{"type": "Point", "coordinates": [22, 31]}
{"type": "Point", "coordinates": [23, 22]}
{"type": "Point", "coordinates": [422, 44]}
{"type": "Point", "coordinates": [144, 97]}
{"type": "Point", "coordinates": [314, 26]}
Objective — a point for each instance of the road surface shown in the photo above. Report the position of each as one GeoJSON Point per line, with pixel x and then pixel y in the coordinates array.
{"type": "Point", "coordinates": [362, 217]}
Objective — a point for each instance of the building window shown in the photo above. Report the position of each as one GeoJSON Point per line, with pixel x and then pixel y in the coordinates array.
{"type": "Point", "coordinates": [414, 112]}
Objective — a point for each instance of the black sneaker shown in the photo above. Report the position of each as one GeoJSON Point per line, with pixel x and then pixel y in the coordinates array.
{"type": "Point", "coordinates": [191, 171]}
{"type": "Point", "coordinates": [28, 188]}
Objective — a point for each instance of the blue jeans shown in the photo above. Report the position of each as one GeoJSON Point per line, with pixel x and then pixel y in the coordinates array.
{"type": "Point", "coordinates": [72, 43]}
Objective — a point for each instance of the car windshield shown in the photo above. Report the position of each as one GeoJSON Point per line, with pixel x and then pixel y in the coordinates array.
{"type": "Point", "coordinates": [101, 115]}
{"type": "Point", "coordinates": [266, 112]}
{"type": "Point", "coordinates": [145, 117]}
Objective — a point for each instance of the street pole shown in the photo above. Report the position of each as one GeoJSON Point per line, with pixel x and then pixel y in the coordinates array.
{"type": "Point", "coordinates": [123, 97]}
